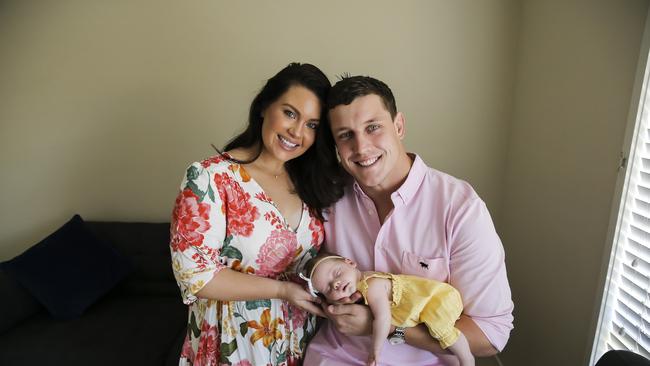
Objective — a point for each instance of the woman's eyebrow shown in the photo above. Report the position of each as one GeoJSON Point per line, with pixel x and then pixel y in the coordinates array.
{"type": "Point", "coordinates": [292, 107]}
{"type": "Point", "coordinates": [297, 111]}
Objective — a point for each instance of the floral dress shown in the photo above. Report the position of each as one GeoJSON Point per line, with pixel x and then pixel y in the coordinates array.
{"type": "Point", "coordinates": [223, 219]}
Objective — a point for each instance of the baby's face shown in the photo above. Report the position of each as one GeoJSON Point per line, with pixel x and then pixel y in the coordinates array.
{"type": "Point", "coordinates": [336, 279]}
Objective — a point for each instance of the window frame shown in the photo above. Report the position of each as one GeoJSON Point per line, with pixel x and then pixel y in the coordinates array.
{"type": "Point", "coordinates": [614, 250]}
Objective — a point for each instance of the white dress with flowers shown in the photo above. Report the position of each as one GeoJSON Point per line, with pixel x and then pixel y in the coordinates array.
{"type": "Point", "coordinates": [223, 219]}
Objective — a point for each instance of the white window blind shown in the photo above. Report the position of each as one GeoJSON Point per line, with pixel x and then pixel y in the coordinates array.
{"type": "Point", "coordinates": [624, 319]}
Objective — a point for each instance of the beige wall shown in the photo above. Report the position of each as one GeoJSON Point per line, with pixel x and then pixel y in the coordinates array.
{"type": "Point", "coordinates": [576, 67]}
{"type": "Point", "coordinates": [103, 104]}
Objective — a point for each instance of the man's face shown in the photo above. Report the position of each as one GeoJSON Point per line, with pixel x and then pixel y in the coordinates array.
{"type": "Point", "coordinates": [369, 143]}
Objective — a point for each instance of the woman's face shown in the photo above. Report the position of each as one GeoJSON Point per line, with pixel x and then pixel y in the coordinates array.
{"type": "Point", "coordinates": [290, 123]}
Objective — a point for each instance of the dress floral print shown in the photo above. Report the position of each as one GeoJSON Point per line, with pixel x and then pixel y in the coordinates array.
{"type": "Point", "coordinates": [223, 219]}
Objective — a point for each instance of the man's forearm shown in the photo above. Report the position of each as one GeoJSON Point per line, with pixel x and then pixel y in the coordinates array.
{"type": "Point", "coordinates": [479, 344]}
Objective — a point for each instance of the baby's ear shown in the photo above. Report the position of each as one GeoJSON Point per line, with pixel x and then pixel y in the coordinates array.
{"type": "Point", "coordinates": [351, 262]}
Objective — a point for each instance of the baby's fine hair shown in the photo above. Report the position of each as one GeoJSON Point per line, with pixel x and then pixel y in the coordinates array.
{"type": "Point", "coordinates": [309, 266]}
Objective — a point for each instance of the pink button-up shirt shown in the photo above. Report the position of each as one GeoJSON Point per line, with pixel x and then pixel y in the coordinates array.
{"type": "Point", "coordinates": [440, 229]}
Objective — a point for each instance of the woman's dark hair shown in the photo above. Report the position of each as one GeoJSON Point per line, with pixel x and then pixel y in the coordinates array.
{"type": "Point", "coordinates": [316, 174]}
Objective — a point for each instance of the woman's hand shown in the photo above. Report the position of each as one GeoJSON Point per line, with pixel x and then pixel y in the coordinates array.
{"type": "Point", "coordinates": [298, 296]}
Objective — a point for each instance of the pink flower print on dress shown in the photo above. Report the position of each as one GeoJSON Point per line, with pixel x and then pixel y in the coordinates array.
{"type": "Point", "coordinates": [262, 196]}
{"type": "Point", "coordinates": [187, 350]}
{"type": "Point", "coordinates": [208, 352]}
{"type": "Point", "coordinates": [212, 160]}
{"type": "Point", "coordinates": [240, 213]}
{"type": "Point", "coordinates": [297, 315]}
{"type": "Point", "coordinates": [243, 363]}
{"type": "Point", "coordinates": [317, 232]}
{"type": "Point", "coordinates": [274, 219]}
{"type": "Point", "coordinates": [189, 221]}
{"type": "Point", "coordinates": [276, 253]}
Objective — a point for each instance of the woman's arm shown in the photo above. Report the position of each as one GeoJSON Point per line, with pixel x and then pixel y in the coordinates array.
{"type": "Point", "coordinates": [231, 285]}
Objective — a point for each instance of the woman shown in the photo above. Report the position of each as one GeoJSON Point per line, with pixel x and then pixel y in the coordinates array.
{"type": "Point", "coordinates": [246, 221]}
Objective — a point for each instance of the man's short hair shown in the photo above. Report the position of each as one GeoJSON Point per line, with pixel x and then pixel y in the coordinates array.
{"type": "Point", "coordinates": [351, 87]}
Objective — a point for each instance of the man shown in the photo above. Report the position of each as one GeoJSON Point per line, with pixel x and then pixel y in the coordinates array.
{"type": "Point", "coordinates": [401, 216]}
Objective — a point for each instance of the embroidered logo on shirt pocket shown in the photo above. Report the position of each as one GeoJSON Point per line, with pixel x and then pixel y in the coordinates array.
{"type": "Point", "coordinates": [433, 268]}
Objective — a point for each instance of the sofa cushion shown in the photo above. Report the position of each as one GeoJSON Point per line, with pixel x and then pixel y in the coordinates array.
{"type": "Point", "coordinates": [69, 270]}
{"type": "Point", "coordinates": [16, 305]}
{"type": "Point", "coordinates": [118, 330]}
{"type": "Point", "coordinates": [147, 247]}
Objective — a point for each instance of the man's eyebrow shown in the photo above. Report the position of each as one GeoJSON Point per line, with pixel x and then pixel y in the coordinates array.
{"type": "Point", "coordinates": [370, 120]}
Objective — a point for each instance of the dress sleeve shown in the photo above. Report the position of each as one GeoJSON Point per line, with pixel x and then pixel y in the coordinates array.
{"type": "Point", "coordinates": [197, 232]}
{"type": "Point", "coordinates": [478, 271]}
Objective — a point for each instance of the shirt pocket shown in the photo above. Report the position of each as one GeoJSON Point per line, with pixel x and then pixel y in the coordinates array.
{"type": "Point", "coordinates": [433, 268]}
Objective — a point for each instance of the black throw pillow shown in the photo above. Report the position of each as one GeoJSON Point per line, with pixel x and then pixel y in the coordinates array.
{"type": "Point", "coordinates": [17, 304]}
{"type": "Point", "coordinates": [69, 270]}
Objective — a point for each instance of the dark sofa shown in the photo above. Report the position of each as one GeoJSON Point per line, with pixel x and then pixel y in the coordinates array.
{"type": "Point", "coordinates": [140, 321]}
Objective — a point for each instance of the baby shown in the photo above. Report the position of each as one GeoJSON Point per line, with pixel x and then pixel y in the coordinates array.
{"type": "Point", "coordinates": [402, 300]}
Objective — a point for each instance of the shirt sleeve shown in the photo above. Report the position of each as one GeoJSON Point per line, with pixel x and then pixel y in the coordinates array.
{"type": "Point", "coordinates": [478, 271]}
{"type": "Point", "coordinates": [197, 232]}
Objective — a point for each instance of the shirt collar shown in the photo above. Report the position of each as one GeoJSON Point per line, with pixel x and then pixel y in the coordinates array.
{"type": "Point", "coordinates": [407, 190]}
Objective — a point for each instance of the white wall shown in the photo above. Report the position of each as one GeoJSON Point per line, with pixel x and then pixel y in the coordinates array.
{"type": "Point", "coordinates": [576, 66]}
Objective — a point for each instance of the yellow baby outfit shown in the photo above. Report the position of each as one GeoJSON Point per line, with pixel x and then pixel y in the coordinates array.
{"type": "Point", "coordinates": [421, 300]}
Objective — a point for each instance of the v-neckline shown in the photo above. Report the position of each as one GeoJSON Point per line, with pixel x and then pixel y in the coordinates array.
{"type": "Point", "coordinates": [272, 202]}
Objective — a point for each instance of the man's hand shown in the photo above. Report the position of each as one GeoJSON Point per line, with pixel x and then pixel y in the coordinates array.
{"type": "Point", "coordinates": [352, 299]}
{"type": "Point", "coordinates": [350, 319]}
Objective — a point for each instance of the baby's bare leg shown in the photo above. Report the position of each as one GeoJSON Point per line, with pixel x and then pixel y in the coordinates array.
{"type": "Point", "coordinates": [461, 349]}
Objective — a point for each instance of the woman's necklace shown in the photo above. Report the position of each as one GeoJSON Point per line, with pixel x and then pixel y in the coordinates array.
{"type": "Point", "coordinates": [267, 172]}
{"type": "Point", "coordinates": [283, 172]}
